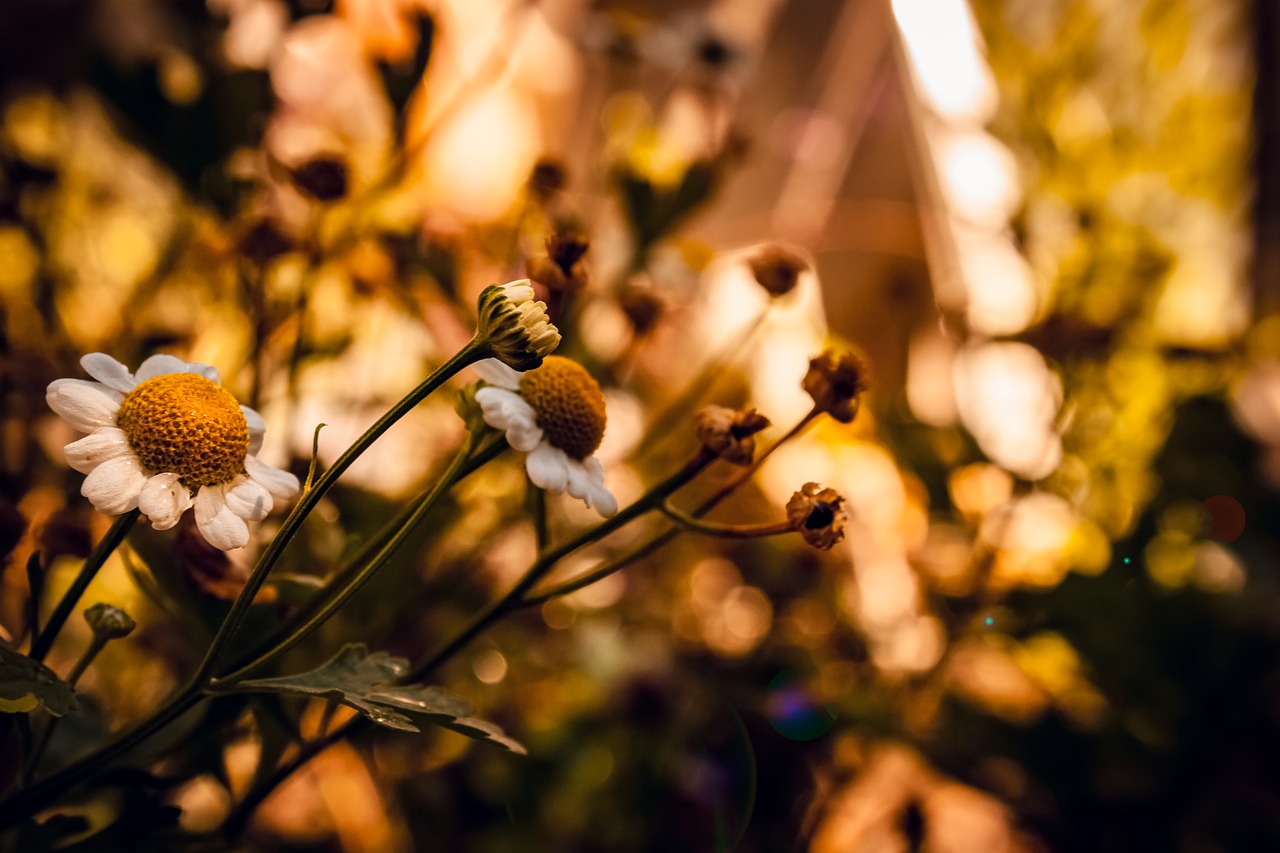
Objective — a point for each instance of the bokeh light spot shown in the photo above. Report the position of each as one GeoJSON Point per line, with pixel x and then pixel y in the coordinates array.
{"type": "Point", "coordinates": [793, 712]}
{"type": "Point", "coordinates": [1226, 518]}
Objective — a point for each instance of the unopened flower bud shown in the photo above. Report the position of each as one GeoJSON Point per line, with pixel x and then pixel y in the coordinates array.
{"type": "Point", "coordinates": [467, 407]}
{"type": "Point", "coordinates": [515, 327]}
{"type": "Point", "coordinates": [643, 307]}
{"type": "Point", "coordinates": [730, 433]}
{"type": "Point", "coordinates": [834, 381]}
{"type": "Point", "coordinates": [109, 622]}
{"type": "Point", "coordinates": [818, 515]}
{"type": "Point", "coordinates": [777, 270]}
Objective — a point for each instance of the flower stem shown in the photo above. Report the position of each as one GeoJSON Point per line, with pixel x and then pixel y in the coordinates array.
{"type": "Point", "coordinates": [362, 576]}
{"type": "Point", "coordinates": [724, 531]}
{"type": "Point", "coordinates": [475, 350]}
{"type": "Point", "coordinates": [40, 794]}
{"type": "Point", "coordinates": [402, 523]}
{"type": "Point", "coordinates": [512, 601]}
{"type": "Point", "coordinates": [641, 551]}
{"type": "Point", "coordinates": [547, 561]}
{"type": "Point", "coordinates": [97, 558]}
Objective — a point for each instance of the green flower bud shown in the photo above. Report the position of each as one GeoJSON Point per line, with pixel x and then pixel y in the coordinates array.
{"type": "Point", "coordinates": [515, 326]}
{"type": "Point", "coordinates": [109, 622]}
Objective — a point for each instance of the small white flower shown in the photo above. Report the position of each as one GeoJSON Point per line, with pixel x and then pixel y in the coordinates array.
{"type": "Point", "coordinates": [555, 414]}
{"type": "Point", "coordinates": [165, 440]}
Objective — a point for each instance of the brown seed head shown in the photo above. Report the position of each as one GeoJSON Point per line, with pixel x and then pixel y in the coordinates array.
{"type": "Point", "coordinates": [777, 269]}
{"type": "Point", "coordinates": [322, 178]}
{"type": "Point", "coordinates": [818, 514]}
{"type": "Point", "coordinates": [834, 381]}
{"type": "Point", "coordinates": [730, 433]}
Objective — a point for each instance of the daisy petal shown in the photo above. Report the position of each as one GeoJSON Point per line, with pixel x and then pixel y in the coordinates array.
{"type": "Point", "coordinates": [548, 468]}
{"type": "Point", "coordinates": [159, 365]}
{"type": "Point", "coordinates": [208, 371]}
{"type": "Point", "coordinates": [113, 486]}
{"type": "Point", "coordinates": [524, 437]}
{"type": "Point", "coordinates": [164, 499]}
{"type": "Point", "coordinates": [257, 428]}
{"type": "Point", "coordinates": [94, 449]}
{"type": "Point", "coordinates": [248, 499]}
{"type": "Point", "coordinates": [281, 484]}
{"type": "Point", "coordinates": [108, 371]}
{"type": "Point", "coordinates": [498, 374]}
{"type": "Point", "coordinates": [502, 408]}
{"type": "Point", "coordinates": [85, 405]}
{"type": "Point", "coordinates": [218, 524]}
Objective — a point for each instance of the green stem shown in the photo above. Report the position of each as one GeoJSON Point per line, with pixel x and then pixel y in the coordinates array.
{"type": "Point", "coordinates": [96, 645]}
{"type": "Point", "coordinates": [105, 548]}
{"type": "Point", "coordinates": [469, 354]}
{"type": "Point", "coordinates": [546, 562]}
{"type": "Point", "coordinates": [641, 551]}
{"type": "Point", "coordinates": [37, 796]}
{"type": "Point", "coordinates": [512, 601]}
{"type": "Point", "coordinates": [724, 531]}
{"type": "Point", "coordinates": [366, 552]}
{"type": "Point", "coordinates": [361, 576]}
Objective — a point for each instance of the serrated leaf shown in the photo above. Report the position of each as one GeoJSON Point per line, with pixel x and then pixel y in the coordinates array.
{"type": "Point", "coordinates": [365, 681]}
{"type": "Point", "coordinates": [26, 684]}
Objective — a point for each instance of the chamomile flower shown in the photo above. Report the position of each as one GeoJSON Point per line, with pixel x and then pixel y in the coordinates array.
{"type": "Point", "coordinates": [555, 413]}
{"type": "Point", "coordinates": [165, 440]}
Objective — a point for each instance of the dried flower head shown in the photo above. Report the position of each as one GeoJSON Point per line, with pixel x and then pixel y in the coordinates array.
{"type": "Point", "coordinates": [547, 178]}
{"type": "Point", "coordinates": [561, 268]}
{"type": "Point", "coordinates": [109, 621]}
{"type": "Point", "coordinates": [515, 326]}
{"type": "Point", "coordinates": [643, 307]}
{"type": "Point", "coordinates": [834, 381]}
{"type": "Point", "coordinates": [730, 433]}
{"type": "Point", "coordinates": [166, 440]}
{"type": "Point", "coordinates": [323, 178]}
{"type": "Point", "coordinates": [777, 269]}
{"type": "Point", "coordinates": [818, 514]}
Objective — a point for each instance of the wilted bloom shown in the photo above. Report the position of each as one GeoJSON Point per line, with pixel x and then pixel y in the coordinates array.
{"type": "Point", "coordinates": [166, 440]}
{"type": "Point", "coordinates": [730, 433]}
{"type": "Point", "coordinates": [777, 270]}
{"type": "Point", "coordinates": [515, 326]}
{"type": "Point", "coordinates": [834, 381]}
{"type": "Point", "coordinates": [561, 268]}
{"type": "Point", "coordinates": [555, 414]}
{"type": "Point", "coordinates": [818, 515]}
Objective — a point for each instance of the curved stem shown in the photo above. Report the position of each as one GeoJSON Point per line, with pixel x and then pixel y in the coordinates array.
{"type": "Point", "coordinates": [361, 576]}
{"type": "Point", "coordinates": [724, 531]}
{"type": "Point", "coordinates": [510, 602]}
{"type": "Point", "coordinates": [375, 543]}
{"type": "Point", "coordinates": [30, 799]}
{"type": "Point", "coordinates": [469, 354]}
{"type": "Point", "coordinates": [642, 551]}
{"type": "Point", "coordinates": [97, 558]}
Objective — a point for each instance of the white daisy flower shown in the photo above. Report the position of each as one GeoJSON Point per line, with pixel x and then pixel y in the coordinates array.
{"type": "Point", "coordinates": [165, 440]}
{"type": "Point", "coordinates": [555, 414]}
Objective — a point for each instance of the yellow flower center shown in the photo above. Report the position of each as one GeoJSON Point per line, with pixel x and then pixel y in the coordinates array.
{"type": "Point", "coordinates": [184, 424]}
{"type": "Point", "coordinates": [568, 403]}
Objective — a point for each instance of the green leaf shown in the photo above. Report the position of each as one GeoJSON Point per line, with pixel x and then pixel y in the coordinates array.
{"type": "Point", "coordinates": [364, 680]}
{"type": "Point", "coordinates": [26, 684]}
